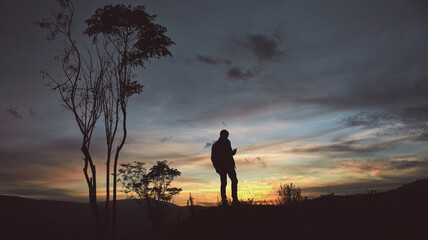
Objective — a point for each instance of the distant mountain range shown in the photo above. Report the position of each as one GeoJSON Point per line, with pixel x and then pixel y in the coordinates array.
{"type": "Point", "coordinates": [401, 213]}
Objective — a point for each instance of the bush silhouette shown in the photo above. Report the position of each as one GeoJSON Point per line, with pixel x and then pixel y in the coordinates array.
{"type": "Point", "coordinates": [289, 194]}
{"type": "Point", "coordinates": [151, 189]}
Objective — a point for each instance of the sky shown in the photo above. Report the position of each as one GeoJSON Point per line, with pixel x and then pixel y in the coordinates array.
{"type": "Point", "coordinates": [329, 95]}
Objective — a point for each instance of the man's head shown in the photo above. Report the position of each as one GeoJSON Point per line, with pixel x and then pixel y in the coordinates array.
{"type": "Point", "coordinates": [224, 133]}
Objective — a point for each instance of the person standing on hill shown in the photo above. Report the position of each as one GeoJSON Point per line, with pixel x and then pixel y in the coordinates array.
{"type": "Point", "coordinates": [224, 164]}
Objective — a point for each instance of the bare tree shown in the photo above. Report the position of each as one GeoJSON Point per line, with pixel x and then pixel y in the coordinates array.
{"type": "Point", "coordinates": [110, 109]}
{"type": "Point", "coordinates": [80, 85]}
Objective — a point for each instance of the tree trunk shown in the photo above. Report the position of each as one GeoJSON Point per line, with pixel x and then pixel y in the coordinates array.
{"type": "Point", "coordinates": [114, 217]}
{"type": "Point", "coordinates": [116, 158]}
{"type": "Point", "coordinates": [107, 206]}
{"type": "Point", "coordinates": [92, 183]}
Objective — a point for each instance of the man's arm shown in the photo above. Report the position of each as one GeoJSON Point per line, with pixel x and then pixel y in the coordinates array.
{"type": "Point", "coordinates": [229, 148]}
{"type": "Point", "coordinates": [233, 154]}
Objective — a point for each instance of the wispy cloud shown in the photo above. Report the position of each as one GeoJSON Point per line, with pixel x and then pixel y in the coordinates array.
{"type": "Point", "coordinates": [31, 111]}
{"type": "Point", "coordinates": [41, 191]}
{"type": "Point", "coordinates": [208, 145]}
{"type": "Point", "coordinates": [411, 121]}
{"type": "Point", "coordinates": [252, 163]}
{"type": "Point", "coordinates": [265, 47]}
{"type": "Point", "coordinates": [237, 73]}
{"type": "Point", "coordinates": [213, 60]}
{"type": "Point", "coordinates": [14, 112]}
{"type": "Point", "coordinates": [166, 139]}
{"type": "Point", "coordinates": [349, 146]}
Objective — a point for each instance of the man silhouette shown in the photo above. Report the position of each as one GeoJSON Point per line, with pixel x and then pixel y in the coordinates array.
{"type": "Point", "coordinates": [224, 164]}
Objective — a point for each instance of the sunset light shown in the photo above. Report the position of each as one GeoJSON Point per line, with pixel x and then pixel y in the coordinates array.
{"type": "Point", "coordinates": [330, 96]}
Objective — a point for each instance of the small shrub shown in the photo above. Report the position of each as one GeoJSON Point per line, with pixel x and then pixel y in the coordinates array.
{"type": "Point", "coordinates": [289, 194]}
{"type": "Point", "coordinates": [250, 201]}
{"type": "Point", "coordinates": [152, 189]}
{"type": "Point", "coordinates": [371, 191]}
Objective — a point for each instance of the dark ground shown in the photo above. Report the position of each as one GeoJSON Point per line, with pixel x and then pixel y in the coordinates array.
{"type": "Point", "coordinates": [401, 213]}
{"type": "Point", "coordinates": [23, 218]}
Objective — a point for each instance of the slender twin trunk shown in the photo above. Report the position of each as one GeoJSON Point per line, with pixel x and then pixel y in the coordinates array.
{"type": "Point", "coordinates": [107, 206]}
{"type": "Point", "coordinates": [116, 158]}
{"type": "Point", "coordinates": [121, 103]}
{"type": "Point", "coordinates": [91, 181]}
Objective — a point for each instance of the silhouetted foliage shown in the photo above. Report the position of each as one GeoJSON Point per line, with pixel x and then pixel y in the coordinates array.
{"type": "Point", "coordinates": [130, 38]}
{"type": "Point", "coordinates": [152, 189]}
{"type": "Point", "coordinates": [99, 79]}
{"type": "Point", "coordinates": [133, 28]}
{"type": "Point", "coordinates": [289, 194]}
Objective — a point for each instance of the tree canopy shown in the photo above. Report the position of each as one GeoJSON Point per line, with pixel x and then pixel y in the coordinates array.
{"type": "Point", "coordinates": [132, 32]}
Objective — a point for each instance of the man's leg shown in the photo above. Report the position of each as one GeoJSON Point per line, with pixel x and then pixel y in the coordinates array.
{"type": "Point", "coordinates": [234, 179]}
{"type": "Point", "coordinates": [223, 180]}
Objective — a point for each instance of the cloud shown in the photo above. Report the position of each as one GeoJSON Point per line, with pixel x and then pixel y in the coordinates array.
{"type": "Point", "coordinates": [237, 73]}
{"type": "Point", "coordinates": [364, 95]}
{"type": "Point", "coordinates": [213, 60]}
{"type": "Point", "coordinates": [348, 147]}
{"type": "Point", "coordinates": [405, 164]}
{"type": "Point", "coordinates": [240, 105]}
{"type": "Point", "coordinates": [41, 168]}
{"type": "Point", "coordinates": [265, 47]}
{"type": "Point", "coordinates": [14, 112]}
{"type": "Point", "coordinates": [380, 168]}
{"type": "Point", "coordinates": [166, 139]}
{"type": "Point", "coordinates": [357, 187]}
{"type": "Point", "coordinates": [208, 145]}
{"type": "Point", "coordinates": [249, 164]}
{"type": "Point", "coordinates": [31, 111]}
{"type": "Point", "coordinates": [360, 170]}
{"type": "Point", "coordinates": [369, 120]}
{"type": "Point", "coordinates": [41, 179]}
{"type": "Point", "coordinates": [234, 72]}
{"type": "Point", "coordinates": [37, 191]}
{"type": "Point", "coordinates": [410, 121]}
{"type": "Point", "coordinates": [207, 59]}
{"type": "Point", "coordinates": [415, 120]}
